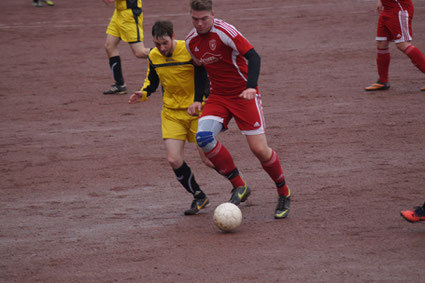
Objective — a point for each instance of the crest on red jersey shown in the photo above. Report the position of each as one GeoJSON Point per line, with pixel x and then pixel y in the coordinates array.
{"type": "Point", "coordinates": [213, 44]}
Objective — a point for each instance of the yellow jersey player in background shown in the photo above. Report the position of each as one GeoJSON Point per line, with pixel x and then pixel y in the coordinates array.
{"type": "Point", "coordinates": [126, 24]}
{"type": "Point", "coordinates": [171, 65]}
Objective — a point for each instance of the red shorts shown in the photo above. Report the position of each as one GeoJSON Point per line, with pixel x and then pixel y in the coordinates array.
{"type": "Point", "coordinates": [395, 26]}
{"type": "Point", "coordinates": [248, 114]}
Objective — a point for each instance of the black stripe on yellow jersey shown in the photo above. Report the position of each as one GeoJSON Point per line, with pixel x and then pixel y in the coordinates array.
{"type": "Point", "coordinates": [171, 64]}
{"type": "Point", "coordinates": [128, 4]}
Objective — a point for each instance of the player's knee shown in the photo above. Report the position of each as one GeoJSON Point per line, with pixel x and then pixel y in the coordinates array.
{"type": "Point", "coordinates": [263, 153]}
{"type": "Point", "coordinates": [109, 46]}
{"type": "Point", "coordinates": [382, 44]}
{"type": "Point", "coordinates": [174, 162]}
{"type": "Point", "coordinates": [205, 139]}
{"type": "Point", "coordinates": [402, 46]}
{"type": "Point", "coordinates": [111, 50]}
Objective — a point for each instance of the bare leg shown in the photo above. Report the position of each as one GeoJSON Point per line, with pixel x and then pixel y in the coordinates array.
{"type": "Point", "coordinates": [139, 50]}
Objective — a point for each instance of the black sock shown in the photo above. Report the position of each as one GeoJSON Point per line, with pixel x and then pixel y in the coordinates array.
{"type": "Point", "coordinates": [232, 174]}
{"type": "Point", "coordinates": [185, 177]}
{"type": "Point", "coordinates": [281, 184]}
{"type": "Point", "coordinates": [115, 64]}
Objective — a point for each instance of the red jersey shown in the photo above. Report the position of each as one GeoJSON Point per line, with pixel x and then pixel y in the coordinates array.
{"type": "Point", "coordinates": [397, 5]}
{"type": "Point", "coordinates": [221, 52]}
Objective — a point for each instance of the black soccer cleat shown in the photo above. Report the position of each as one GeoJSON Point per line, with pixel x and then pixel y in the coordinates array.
{"type": "Point", "coordinates": [36, 3]}
{"type": "Point", "coordinates": [240, 194]}
{"type": "Point", "coordinates": [282, 207]}
{"type": "Point", "coordinates": [197, 205]}
{"type": "Point", "coordinates": [116, 89]}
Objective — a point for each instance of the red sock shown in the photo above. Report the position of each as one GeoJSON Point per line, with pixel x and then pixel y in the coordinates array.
{"type": "Point", "coordinates": [416, 57]}
{"type": "Point", "coordinates": [284, 191]}
{"type": "Point", "coordinates": [383, 59]}
{"type": "Point", "coordinates": [223, 162]}
{"type": "Point", "coordinates": [274, 169]}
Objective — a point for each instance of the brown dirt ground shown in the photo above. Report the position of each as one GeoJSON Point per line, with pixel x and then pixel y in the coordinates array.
{"type": "Point", "coordinates": [87, 195]}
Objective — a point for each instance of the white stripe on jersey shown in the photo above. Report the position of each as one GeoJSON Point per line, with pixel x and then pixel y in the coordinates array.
{"type": "Point", "coordinates": [229, 42]}
{"type": "Point", "coordinates": [228, 27]}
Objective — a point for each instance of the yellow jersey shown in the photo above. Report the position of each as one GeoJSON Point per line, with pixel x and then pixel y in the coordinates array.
{"type": "Point", "coordinates": [127, 4]}
{"type": "Point", "coordinates": [176, 75]}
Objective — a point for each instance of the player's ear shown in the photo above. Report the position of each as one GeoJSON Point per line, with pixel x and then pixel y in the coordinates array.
{"type": "Point", "coordinates": [173, 36]}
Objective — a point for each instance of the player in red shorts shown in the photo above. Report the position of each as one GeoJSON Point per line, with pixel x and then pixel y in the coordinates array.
{"type": "Point", "coordinates": [233, 67]}
{"type": "Point", "coordinates": [394, 24]}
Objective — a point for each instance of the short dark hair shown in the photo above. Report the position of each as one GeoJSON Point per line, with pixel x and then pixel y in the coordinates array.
{"type": "Point", "coordinates": [201, 5]}
{"type": "Point", "coordinates": [162, 28]}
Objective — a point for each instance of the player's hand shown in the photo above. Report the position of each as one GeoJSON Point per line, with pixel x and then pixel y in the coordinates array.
{"type": "Point", "coordinates": [138, 96]}
{"type": "Point", "coordinates": [195, 108]}
{"type": "Point", "coordinates": [248, 93]}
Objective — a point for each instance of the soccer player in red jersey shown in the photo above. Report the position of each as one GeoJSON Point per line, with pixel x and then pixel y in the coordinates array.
{"type": "Point", "coordinates": [220, 51]}
{"type": "Point", "coordinates": [394, 24]}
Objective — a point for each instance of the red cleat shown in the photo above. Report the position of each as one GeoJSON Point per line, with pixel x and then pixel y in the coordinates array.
{"type": "Point", "coordinates": [413, 216]}
{"type": "Point", "coordinates": [377, 86]}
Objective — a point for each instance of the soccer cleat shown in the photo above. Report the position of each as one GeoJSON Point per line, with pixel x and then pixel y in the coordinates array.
{"type": "Point", "coordinates": [413, 216]}
{"type": "Point", "coordinates": [240, 194]}
{"type": "Point", "coordinates": [282, 207]}
{"type": "Point", "coordinates": [116, 89]}
{"type": "Point", "coordinates": [197, 204]}
{"type": "Point", "coordinates": [36, 3]}
{"type": "Point", "coordinates": [423, 89]}
{"type": "Point", "coordinates": [48, 2]}
{"type": "Point", "coordinates": [378, 86]}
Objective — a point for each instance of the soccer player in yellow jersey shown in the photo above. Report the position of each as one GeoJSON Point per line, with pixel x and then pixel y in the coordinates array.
{"type": "Point", "coordinates": [126, 24]}
{"type": "Point", "coordinates": [171, 65]}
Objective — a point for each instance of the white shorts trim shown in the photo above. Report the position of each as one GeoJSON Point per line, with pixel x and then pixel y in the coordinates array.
{"type": "Point", "coordinates": [381, 38]}
{"type": "Point", "coordinates": [258, 131]}
{"type": "Point", "coordinates": [211, 117]}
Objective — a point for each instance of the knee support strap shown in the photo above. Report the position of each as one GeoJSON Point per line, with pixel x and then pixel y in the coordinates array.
{"type": "Point", "coordinates": [204, 138]}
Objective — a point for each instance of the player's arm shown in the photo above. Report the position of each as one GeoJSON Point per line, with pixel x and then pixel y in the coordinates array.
{"type": "Point", "coordinates": [254, 64]}
{"type": "Point", "coordinates": [201, 84]}
{"type": "Point", "coordinates": [150, 85]}
{"type": "Point", "coordinates": [379, 7]}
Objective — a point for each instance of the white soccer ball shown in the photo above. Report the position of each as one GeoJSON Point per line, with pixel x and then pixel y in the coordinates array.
{"type": "Point", "coordinates": [227, 216]}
